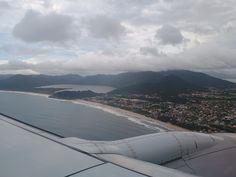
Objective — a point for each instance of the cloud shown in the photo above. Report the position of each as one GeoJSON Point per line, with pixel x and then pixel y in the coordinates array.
{"type": "Point", "coordinates": [19, 49]}
{"type": "Point", "coordinates": [103, 26]}
{"type": "Point", "coordinates": [168, 34]}
{"type": "Point", "coordinates": [4, 5]}
{"type": "Point", "coordinates": [206, 57]}
{"type": "Point", "coordinates": [152, 35]}
{"type": "Point", "coordinates": [209, 56]}
{"type": "Point", "coordinates": [51, 27]}
{"type": "Point", "coordinates": [14, 65]}
{"type": "Point", "coordinates": [152, 51]}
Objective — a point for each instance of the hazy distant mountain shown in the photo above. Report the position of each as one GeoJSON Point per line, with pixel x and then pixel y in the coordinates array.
{"type": "Point", "coordinates": [30, 81]}
{"type": "Point", "coordinates": [156, 80]}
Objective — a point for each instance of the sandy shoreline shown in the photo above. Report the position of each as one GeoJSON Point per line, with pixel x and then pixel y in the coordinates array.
{"type": "Point", "coordinates": [134, 117]}
{"type": "Point", "coordinates": [138, 118]}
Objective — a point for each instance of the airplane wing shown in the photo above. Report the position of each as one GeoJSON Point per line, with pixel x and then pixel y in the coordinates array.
{"type": "Point", "coordinates": [27, 151]}
{"type": "Point", "coordinates": [216, 161]}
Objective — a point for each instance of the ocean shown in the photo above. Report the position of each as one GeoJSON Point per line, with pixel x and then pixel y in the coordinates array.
{"type": "Point", "coordinates": [68, 119]}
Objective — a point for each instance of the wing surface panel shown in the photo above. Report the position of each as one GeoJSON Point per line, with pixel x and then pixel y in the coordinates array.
{"type": "Point", "coordinates": [25, 154]}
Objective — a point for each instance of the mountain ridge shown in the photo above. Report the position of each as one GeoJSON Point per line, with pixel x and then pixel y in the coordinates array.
{"type": "Point", "coordinates": [168, 85]}
{"type": "Point", "coordinates": [188, 79]}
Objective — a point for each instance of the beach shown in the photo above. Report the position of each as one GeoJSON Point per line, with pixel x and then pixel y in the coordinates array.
{"type": "Point", "coordinates": [131, 116]}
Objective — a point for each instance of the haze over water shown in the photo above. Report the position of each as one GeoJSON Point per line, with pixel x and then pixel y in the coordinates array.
{"type": "Point", "coordinates": [68, 119]}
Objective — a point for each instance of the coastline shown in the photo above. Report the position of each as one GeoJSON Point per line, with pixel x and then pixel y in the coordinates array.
{"type": "Point", "coordinates": [26, 93]}
{"type": "Point", "coordinates": [132, 116]}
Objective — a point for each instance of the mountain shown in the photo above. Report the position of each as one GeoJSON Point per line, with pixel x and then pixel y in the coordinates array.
{"type": "Point", "coordinates": [168, 85]}
{"type": "Point", "coordinates": [120, 81]}
{"type": "Point", "coordinates": [19, 82]}
{"type": "Point", "coordinates": [201, 79]}
{"type": "Point", "coordinates": [136, 78]}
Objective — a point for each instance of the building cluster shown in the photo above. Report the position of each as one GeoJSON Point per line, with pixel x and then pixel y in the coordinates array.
{"type": "Point", "coordinates": [209, 111]}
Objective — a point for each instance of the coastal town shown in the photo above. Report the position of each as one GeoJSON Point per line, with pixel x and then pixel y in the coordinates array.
{"type": "Point", "coordinates": [209, 111]}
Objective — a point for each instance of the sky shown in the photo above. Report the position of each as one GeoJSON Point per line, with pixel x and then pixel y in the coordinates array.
{"type": "Point", "coordinates": [112, 36]}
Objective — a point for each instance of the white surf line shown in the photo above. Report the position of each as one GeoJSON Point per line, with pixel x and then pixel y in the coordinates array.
{"type": "Point", "coordinates": [134, 117]}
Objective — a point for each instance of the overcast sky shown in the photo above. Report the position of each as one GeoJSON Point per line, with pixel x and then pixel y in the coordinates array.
{"type": "Point", "coordinates": [112, 36]}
